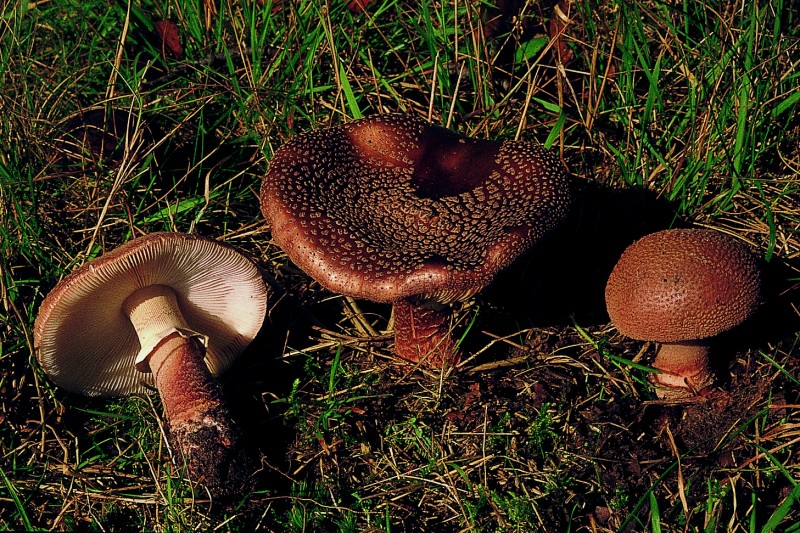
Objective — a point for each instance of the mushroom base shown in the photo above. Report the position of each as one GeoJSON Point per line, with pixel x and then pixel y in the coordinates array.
{"type": "Point", "coordinates": [422, 334]}
{"type": "Point", "coordinates": [209, 446]}
{"type": "Point", "coordinates": [684, 370]}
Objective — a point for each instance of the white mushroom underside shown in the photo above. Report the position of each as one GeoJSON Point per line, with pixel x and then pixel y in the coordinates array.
{"type": "Point", "coordinates": [88, 344]}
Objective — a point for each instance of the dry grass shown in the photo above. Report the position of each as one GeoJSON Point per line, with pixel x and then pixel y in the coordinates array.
{"type": "Point", "coordinates": [665, 113]}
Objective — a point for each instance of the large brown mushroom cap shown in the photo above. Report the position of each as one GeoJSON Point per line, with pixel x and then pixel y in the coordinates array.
{"type": "Point", "coordinates": [681, 285]}
{"type": "Point", "coordinates": [390, 207]}
{"type": "Point", "coordinates": [87, 344]}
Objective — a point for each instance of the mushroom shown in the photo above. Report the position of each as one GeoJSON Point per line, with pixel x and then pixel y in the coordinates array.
{"type": "Point", "coordinates": [167, 310]}
{"type": "Point", "coordinates": [397, 210]}
{"type": "Point", "coordinates": [681, 287]}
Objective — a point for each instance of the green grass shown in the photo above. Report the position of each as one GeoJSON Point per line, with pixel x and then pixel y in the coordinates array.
{"type": "Point", "coordinates": [552, 425]}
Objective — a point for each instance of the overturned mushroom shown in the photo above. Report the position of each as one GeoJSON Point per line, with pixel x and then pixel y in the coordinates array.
{"type": "Point", "coordinates": [165, 310]}
{"type": "Point", "coordinates": [394, 209]}
{"type": "Point", "coordinates": [680, 288]}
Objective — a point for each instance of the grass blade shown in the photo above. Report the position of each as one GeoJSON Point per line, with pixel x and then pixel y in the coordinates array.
{"type": "Point", "coordinates": [18, 505]}
{"type": "Point", "coordinates": [776, 520]}
{"type": "Point", "coordinates": [350, 97]}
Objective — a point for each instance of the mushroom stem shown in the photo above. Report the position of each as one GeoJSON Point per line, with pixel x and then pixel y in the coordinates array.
{"type": "Point", "coordinates": [684, 369]}
{"type": "Point", "coordinates": [422, 333]}
{"type": "Point", "coordinates": [200, 429]}
{"type": "Point", "coordinates": [184, 383]}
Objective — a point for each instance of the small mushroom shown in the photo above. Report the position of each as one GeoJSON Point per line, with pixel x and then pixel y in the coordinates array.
{"type": "Point", "coordinates": [167, 310]}
{"type": "Point", "coordinates": [680, 288]}
{"type": "Point", "coordinates": [394, 209]}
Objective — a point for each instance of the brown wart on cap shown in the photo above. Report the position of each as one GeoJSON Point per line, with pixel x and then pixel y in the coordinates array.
{"type": "Point", "coordinates": [680, 288]}
{"type": "Point", "coordinates": [394, 209]}
{"type": "Point", "coordinates": [165, 310]}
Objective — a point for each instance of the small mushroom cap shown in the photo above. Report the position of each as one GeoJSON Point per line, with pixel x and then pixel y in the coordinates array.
{"type": "Point", "coordinates": [87, 344]}
{"type": "Point", "coordinates": [683, 284]}
{"type": "Point", "coordinates": [392, 207]}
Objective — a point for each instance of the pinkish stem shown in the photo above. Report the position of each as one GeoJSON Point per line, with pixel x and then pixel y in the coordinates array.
{"type": "Point", "coordinates": [201, 431]}
{"type": "Point", "coordinates": [182, 378]}
{"type": "Point", "coordinates": [202, 434]}
{"type": "Point", "coordinates": [684, 369]}
{"type": "Point", "coordinates": [422, 334]}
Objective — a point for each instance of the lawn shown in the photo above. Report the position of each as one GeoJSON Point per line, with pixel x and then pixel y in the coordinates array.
{"type": "Point", "coordinates": [122, 119]}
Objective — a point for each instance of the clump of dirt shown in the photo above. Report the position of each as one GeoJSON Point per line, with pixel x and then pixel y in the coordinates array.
{"type": "Point", "coordinates": [95, 138]}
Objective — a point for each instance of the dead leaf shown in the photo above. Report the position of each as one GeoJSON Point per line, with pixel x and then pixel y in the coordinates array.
{"type": "Point", "coordinates": [169, 38]}
{"type": "Point", "coordinates": [558, 24]}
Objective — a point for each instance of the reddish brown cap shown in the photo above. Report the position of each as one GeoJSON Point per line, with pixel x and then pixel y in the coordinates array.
{"type": "Point", "coordinates": [391, 207]}
{"type": "Point", "coordinates": [682, 284]}
{"type": "Point", "coordinates": [86, 343]}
